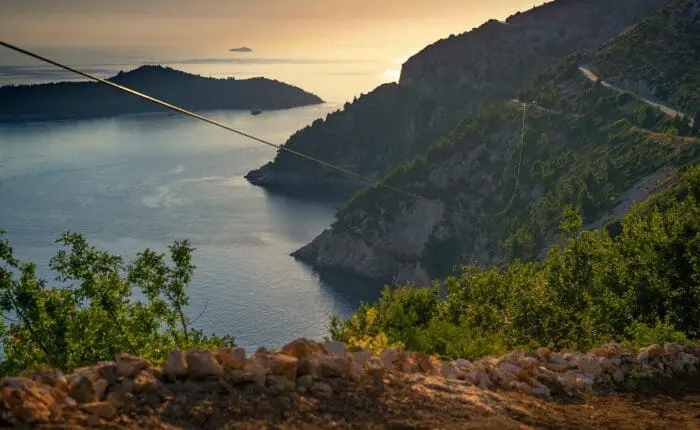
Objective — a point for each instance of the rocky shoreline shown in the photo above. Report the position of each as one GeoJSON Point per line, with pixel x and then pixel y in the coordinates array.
{"type": "Point", "coordinates": [116, 390]}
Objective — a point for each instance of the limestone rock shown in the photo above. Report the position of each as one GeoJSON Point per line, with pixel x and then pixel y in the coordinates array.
{"type": "Point", "coordinates": [81, 389]}
{"type": "Point", "coordinates": [129, 365]}
{"type": "Point", "coordinates": [541, 391]}
{"type": "Point", "coordinates": [304, 383]}
{"type": "Point", "coordinates": [284, 365]}
{"type": "Point", "coordinates": [104, 410]}
{"type": "Point", "coordinates": [389, 357]}
{"type": "Point", "coordinates": [361, 356]}
{"type": "Point", "coordinates": [28, 401]}
{"type": "Point", "coordinates": [201, 364]}
{"type": "Point", "coordinates": [303, 348]}
{"type": "Point", "coordinates": [100, 386]}
{"type": "Point", "coordinates": [335, 348]}
{"type": "Point", "coordinates": [175, 364]}
{"type": "Point", "coordinates": [321, 389]}
{"type": "Point", "coordinates": [255, 372]}
{"type": "Point", "coordinates": [144, 382]}
{"type": "Point", "coordinates": [231, 358]}
{"type": "Point", "coordinates": [375, 367]}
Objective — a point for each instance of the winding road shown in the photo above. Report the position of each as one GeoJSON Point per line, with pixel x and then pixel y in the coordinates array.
{"type": "Point", "coordinates": [669, 111]}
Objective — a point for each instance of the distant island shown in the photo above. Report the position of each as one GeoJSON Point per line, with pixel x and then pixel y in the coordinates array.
{"type": "Point", "coordinates": [72, 100]}
{"type": "Point", "coordinates": [242, 49]}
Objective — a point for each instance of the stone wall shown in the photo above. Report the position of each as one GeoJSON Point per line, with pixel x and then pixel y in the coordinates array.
{"type": "Point", "coordinates": [99, 393]}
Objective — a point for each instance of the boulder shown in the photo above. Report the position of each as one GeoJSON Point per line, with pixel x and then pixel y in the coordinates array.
{"type": "Point", "coordinates": [104, 410]}
{"type": "Point", "coordinates": [303, 348]}
{"type": "Point", "coordinates": [107, 370]}
{"type": "Point", "coordinates": [201, 364]}
{"type": "Point", "coordinates": [335, 348]}
{"type": "Point", "coordinates": [389, 357]}
{"type": "Point", "coordinates": [28, 401]}
{"type": "Point", "coordinates": [175, 364]}
{"type": "Point", "coordinates": [280, 383]}
{"type": "Point", "coordinates": [688, 359]}
{"type": "Point", "coordinates": [375, 367]}
{"type": "Point", "coordinates": [53, 378]}
{"type": "Point", "coordinates": [284, 365]}
{"type": "Point", "coordinates": [447, 370]}
{"type": "Point", "coordinates": [462, 364]}
{"type": "Point", "coordinates": [100, 386]}
{"type": "Point", "coordinates": [654, 351]}
{"type": "Point", "coordinates": [304, 383]}
{"type": "Point", "coordinates": [254, 372]}
{"type": "Point", "coordinates": [361, 357]}
{"type": "Point", "coordinates": [671, 349]}
{"type": "Point", "coordinates": [144, 382]}
{"type": "Point", "coordinates": [81, 389]}
{"type": "Point", "coordinates": [231, 358]}
{"type": "Point", "coordinates": [541, 391]}
{"type": "Point", "coordinates": [544, 352]}
{"type": "Point", "coordinates": [321, 389]}
{"type": "Point", "coordinates": [330, 366]}
{"type": "Point", "coordinates": [129, 365]}
{"type": "Point", "coordinates": [618, 376]}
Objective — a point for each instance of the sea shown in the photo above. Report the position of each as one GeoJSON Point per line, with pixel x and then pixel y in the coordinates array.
{"type": "Point", "coordinates": [133, 182]}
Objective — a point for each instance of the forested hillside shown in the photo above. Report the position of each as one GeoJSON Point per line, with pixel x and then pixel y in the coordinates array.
{"type": "Point", "coordinates": [489, 199]}
{"type": "Point", "coordinates": [659, 57]}
{"type": "Point", "coordinates": [443, 83]}
{"type": "Point", "coordinates": [636, 284]}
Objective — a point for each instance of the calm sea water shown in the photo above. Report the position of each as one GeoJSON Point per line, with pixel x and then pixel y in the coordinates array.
{"type": "Point", "coordinates": [143, 181]}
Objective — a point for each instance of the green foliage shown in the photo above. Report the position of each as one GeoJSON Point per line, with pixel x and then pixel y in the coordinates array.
{"type": "Point", "coordinates": [640, 334]}
{"type": "Point", "coordinates": [571, 221]}
{"type": "Point", "coordinates": [90, 313]}
{"type": "Point", "coordinates": [594, 289]}
{"type": "Point", "coordinates": [661, 53]}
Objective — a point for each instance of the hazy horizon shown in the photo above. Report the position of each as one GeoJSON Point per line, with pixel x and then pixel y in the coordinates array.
{"type": "Point", "coordinates": [331, 48]}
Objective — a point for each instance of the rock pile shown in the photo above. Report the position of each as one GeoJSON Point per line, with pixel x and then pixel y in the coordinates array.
{"type": "Point", "coordinates": [306, 368]}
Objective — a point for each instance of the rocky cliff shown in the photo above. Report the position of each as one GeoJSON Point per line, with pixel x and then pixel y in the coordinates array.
{"type": "Point", "coordinates": [497, 197]}
{"type": "Point", "coordinates": [441, 84]}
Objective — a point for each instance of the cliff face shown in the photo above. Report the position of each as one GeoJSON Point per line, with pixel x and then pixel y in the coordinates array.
{"type": "Point", "coordinates": [441, 84]}
{"type": "Point", "coordinates": [68, 100]}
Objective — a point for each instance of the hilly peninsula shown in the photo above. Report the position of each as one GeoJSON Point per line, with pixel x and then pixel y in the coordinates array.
{"type": "Point", "coordinates": [495, 188]}
{"type": "Point", "coordinates": [442, 84]}
{"type": "Point", "coordinates": [73, 100]}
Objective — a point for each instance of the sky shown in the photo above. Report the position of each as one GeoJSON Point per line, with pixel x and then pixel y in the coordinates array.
{"type": "Point", "coordinates": [381, 32]}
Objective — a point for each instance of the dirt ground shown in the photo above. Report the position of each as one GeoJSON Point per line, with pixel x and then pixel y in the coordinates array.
{"type": "Point", "coordinates": [416, 402]}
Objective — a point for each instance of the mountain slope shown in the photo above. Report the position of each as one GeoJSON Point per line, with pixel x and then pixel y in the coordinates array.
{"type": "Point", "coordinates": [90, 99]}
{"type": "Point", "coordinates": [444, 82]}
{"type": "Point", "coordinates": [659, 57]}
{"type": "Point", "coordinates": [584, 145]}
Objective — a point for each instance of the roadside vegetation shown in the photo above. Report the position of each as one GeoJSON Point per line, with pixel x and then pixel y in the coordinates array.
{"type": "Point", "coordinates": [636, 281]}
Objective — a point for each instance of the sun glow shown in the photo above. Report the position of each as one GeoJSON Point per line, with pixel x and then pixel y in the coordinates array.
{"type": "Point", "coordinates": [392, 75]}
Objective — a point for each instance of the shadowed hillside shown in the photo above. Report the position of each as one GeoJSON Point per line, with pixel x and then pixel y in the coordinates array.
{"type": "Point", "coordinates": [443, 83]}
{"type": "Point", "coordinates": [89, 99]}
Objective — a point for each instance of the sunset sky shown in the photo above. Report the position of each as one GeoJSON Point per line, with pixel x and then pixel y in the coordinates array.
{"type": "Point", "coordinates": [383, 31]}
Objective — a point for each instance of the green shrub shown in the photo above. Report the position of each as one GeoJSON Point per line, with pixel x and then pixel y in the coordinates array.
{"type": "Point", "coordinates": [90, 313]}
{"type": "Point", "coordinates": [592, 290]}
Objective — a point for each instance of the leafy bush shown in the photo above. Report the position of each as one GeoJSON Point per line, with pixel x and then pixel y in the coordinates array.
{"type": "Point", "coordinates": [594, 289]}
{"type": "Point", "coordinates": [90, 313]}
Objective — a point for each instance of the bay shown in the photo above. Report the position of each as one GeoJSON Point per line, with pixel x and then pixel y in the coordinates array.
{"type": "Point", "coordinates": [142, 181]}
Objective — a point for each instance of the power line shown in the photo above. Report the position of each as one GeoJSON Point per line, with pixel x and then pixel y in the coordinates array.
{"type": "Point", "coordinates": [520, 163]}
{"type": "Point", "coordinates": [208, 120]}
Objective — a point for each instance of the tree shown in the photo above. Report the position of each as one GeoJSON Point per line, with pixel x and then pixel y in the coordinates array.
{"type": "Point", "coordinates": [571, 221]}
{"type": "Point", "coordinates": [90, 313]}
